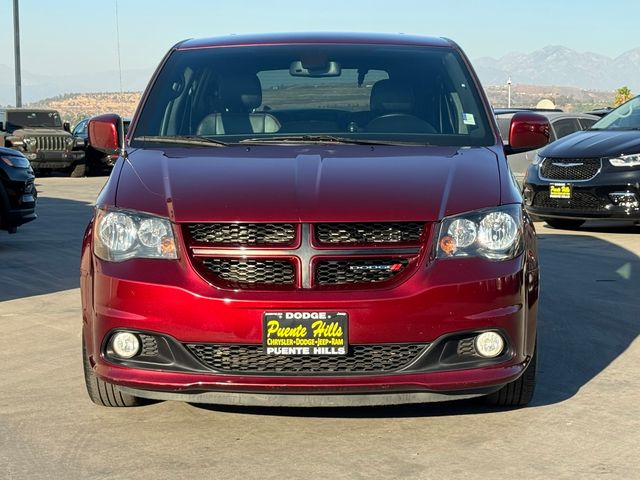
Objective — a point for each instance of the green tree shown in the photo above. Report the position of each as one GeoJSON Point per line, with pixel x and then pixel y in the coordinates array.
{"type": "Point", "coordinates": [622, 95]}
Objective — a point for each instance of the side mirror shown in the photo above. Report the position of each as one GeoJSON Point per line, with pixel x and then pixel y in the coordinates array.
{"type": "Point", "coordinates": [66, 126]}
{"type": "Point", "coordinates": [105, 133]}
{"type": "Point", "coordinates": [528, 131]}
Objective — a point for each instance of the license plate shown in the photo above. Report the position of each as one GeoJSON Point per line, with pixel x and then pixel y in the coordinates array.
{"type": "Point", "coordinates": [305, 333]}
{"type": "Point", "coordinates": [560, 190]}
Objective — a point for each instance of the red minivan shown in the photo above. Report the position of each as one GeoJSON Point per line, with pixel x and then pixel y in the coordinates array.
{"type": "Point", "coordinates": [311, 220]}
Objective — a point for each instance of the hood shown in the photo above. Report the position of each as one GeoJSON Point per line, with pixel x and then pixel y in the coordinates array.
{"type": "Point", "coordinates": [32, 132]}
{"type": "Point", "coordinates": [594, 143]}
{"type": "Point", "coordinates": [296, 184]}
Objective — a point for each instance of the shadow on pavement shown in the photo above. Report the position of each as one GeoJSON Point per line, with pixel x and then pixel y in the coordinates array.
{"type": "Point", "coordinates": [588, 310]}
{"type": "Point", "coordinates": [44, 256]}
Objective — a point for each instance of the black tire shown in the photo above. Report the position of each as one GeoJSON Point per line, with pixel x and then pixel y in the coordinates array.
{"type": "Point", "coordinates": [563, 223]}
{"type": "Point", "coordinates": [78, 170]}
{"type": "Point", "coordinates": [519, 392]}
{"type": "Point", "coordinates": [103, 393]}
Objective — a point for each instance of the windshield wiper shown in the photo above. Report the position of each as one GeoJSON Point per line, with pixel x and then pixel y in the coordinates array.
{"type": "Point", "coordinates": [320, 139]}
{"type": "Point", "coordinates": [182, 139]}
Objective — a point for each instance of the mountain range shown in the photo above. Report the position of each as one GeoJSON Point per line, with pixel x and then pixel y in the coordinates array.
{"type": "Point", "coordinates": [558, 65]}
{"type": "Point", "coordinates": [39, 86]}
{"type": "Point", "coordinates": [551, 65]}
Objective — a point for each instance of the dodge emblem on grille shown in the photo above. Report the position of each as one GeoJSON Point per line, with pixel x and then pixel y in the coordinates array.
{"type": "Point", "coordinates": [392, 268]}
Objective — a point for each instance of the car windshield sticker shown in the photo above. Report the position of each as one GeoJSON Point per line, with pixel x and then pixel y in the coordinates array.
{"type": "Point", "coordinates": [467, 119]}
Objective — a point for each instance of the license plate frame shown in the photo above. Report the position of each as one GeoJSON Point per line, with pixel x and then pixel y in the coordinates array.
{"type": "Point", "coordinates": [560, 191]}
{"type": "Point", "coordinates": [308, 333]}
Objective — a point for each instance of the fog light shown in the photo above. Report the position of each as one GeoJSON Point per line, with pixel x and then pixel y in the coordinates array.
{"type": "Point", "coordinates": [489, 344]}
{"type": "Point", "coordinates": [624, 199]}
{"type": "Point", "coordinates": [31, 156]}
{"type": "Point", "coordinates": [125, 344]}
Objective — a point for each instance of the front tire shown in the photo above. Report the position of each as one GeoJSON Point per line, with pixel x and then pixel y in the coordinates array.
{"type": "Point", "coordinates": [519, 392]}
{"type": "Point", "coordinates": [103, 393]}
{"type": "Point", "coordinates": [78, 170]}
{"type": "Point", "coordinates": [563, 223]}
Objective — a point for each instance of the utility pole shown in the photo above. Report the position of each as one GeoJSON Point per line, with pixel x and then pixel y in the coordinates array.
{"type": "Point", "coordinates": [118, 43]}
{"type": "Point", "coordinates": [16, 52]}
{"type": "Point", "coordinates": [509, 92]}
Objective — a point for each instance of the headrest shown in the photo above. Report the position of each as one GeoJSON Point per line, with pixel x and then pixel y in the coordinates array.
{"type": "Point", "coordinates": [240, 93]}
{"type": "Point", "coordinates": [392, 96]}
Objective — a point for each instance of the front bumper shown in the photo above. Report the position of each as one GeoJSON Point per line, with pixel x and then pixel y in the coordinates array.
{"type": "Point", "coordinates": [18, 198]}
{"type": "Point", "coordinates": [305, 400]}
{"type": "Point", "coordinates": [54, 159]}
{"type": "Point", "coordinates": [450, 297]}
{"type": "Point", "coordinates": [590, 199]}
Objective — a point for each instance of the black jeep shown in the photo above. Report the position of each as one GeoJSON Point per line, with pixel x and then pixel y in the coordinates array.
{"type": "Point", "coordinates": [43, 138]}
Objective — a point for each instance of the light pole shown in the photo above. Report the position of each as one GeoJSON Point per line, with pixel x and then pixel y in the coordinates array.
{"type": "Point", "coordinates": [509, 92]}
{"type": "Point", "coordinates": [118, 44]}
{"type": "Point", "coordinates": [16, 52]}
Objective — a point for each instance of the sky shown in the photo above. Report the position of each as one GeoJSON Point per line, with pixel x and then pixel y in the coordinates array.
{"type": "Point", "coordinates": [60, 37]}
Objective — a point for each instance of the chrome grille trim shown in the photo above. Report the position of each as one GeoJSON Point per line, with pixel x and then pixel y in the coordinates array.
{"type": "Point", "coordinates": [568, 177]}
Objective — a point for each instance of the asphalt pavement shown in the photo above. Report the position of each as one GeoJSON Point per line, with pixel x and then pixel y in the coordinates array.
{"type": "Point", "coordinates": [583, 422]}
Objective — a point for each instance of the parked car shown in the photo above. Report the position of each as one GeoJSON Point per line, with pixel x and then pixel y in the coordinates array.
{"type": "Point", "coordinates": [600, 112]}
{"type": "Point", "coordinates": [594, 174]}
{"type": "Point", "coordinates": [562, 124]}
{"type": "Point", "coordinates": [43, 138]}
{"type": "Point", "coordinates": [17, 190]}
{"type": "Point", "coordinates": [311, 219]}
{"type": "Point", "coordinates": [96, 161]}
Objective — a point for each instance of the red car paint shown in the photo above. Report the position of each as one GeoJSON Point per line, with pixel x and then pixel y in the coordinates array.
{"type": "Point", "coordinates": [428, 300]}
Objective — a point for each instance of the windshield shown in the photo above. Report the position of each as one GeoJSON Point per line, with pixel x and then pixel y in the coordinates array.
{"type": "Point", "coordinates": [625, 117]}
{"type": "Point", "coordinates": [315, 93]}
{"type": "Point", "coordinates": [26, 119]}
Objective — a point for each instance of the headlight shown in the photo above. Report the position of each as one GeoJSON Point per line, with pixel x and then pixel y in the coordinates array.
{"type": "Point", "coordinates": [494, 233]}
{"type": "Point", "coordinates": [15, 141]}
{"type": "Point", "coordinates": [122, 234]}
{"type": "Point", "coordinates": [537, 160]}
{"type": "Point", "coordinates": [626, 160]}
{"type": "Point", "coordinates": [17, 161]}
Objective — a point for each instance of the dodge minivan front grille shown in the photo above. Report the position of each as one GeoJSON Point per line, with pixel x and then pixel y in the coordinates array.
{"type": "Point", "coordinates": [341, 272]}
{"type": "Point", "coordinates": [242, 234]}
{"type": "Point", "coordinates": [237, 272]}
{"type": "Point", "coordinates": [304, 256]}
{"type": "Point", "coordinates": [393, 232]}
{"type": "Point", "coordinates": [251, 359]}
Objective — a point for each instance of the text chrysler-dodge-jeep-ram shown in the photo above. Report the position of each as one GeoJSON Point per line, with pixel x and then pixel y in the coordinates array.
{"type": "Point", "coordinates": [320, 219]}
